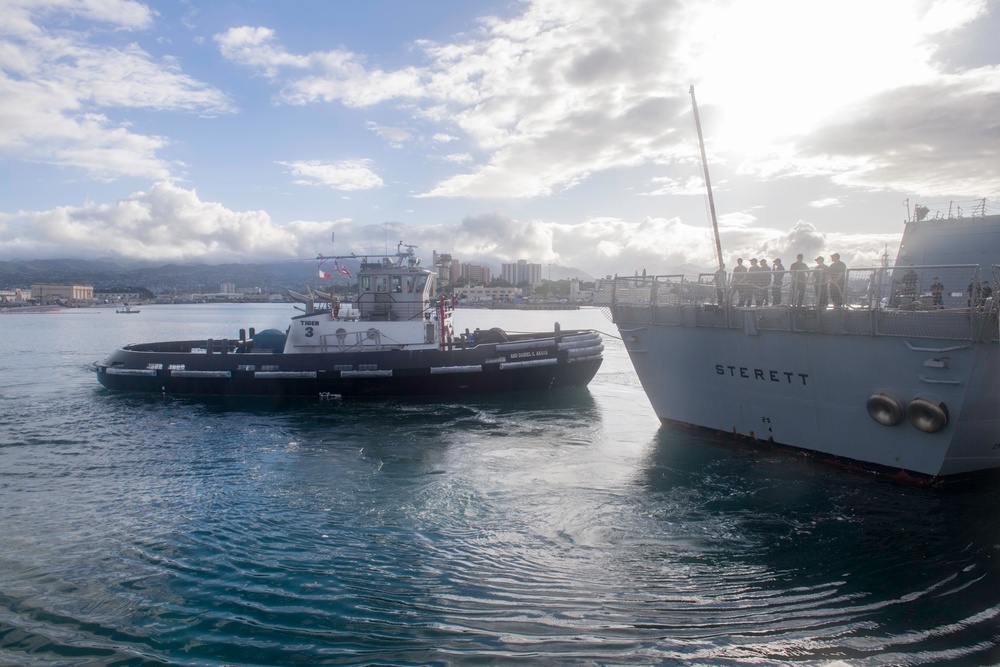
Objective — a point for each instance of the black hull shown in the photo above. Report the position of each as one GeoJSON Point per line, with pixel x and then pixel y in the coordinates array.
{"type": "Point", "coordinates": [479, 370]}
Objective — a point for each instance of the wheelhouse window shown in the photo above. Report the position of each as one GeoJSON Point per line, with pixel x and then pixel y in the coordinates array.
{"type": "Point", "coordinates": [421, 283]}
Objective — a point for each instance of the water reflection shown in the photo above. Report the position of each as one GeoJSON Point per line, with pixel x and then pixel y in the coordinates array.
{"type": "Point", "coordinates": [801, 559]}
{"type": "Point", "coordinates": [562, 528]}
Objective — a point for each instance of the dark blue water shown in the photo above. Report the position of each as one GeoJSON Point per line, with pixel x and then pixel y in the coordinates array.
{"type": "Point", "coordinates": [542, 529]}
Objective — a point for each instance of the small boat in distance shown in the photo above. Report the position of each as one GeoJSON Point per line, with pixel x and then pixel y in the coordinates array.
{"type": "Point", "coordinates": [127, 310]}
{"type": "Point", "coordinates": [396, 338]}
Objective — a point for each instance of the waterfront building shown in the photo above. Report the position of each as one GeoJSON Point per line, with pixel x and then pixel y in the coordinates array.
{"type": "Point", "coordinates": [113, 296]}
{"type": "Point", "coordinates": [445, 267]}
{"type": "Point", "coordinates": [489, 293]}
{"type": "Point", "coordinates": [476, 274]}
{"type": "Point", "coordinates": [522, 272]}
{"type": "Point", "coordinates": [49, 293]}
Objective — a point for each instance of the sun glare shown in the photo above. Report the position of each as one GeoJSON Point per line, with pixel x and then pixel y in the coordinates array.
{"type": "Point", "coordinates": [781, 67]}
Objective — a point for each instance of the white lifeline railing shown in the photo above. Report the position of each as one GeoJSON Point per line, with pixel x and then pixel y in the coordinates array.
{"type": "Point", "coordinates": [956, 302]}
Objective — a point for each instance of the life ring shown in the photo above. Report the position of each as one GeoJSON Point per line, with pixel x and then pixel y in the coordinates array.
{"type": "Point", "coordinates": [927, 414]}
{"type": "Point", "coordinates": [885, 409]}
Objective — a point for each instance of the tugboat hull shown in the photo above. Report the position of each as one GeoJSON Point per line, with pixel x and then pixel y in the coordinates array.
{"type": "Point", "coordinates": [221, 369]}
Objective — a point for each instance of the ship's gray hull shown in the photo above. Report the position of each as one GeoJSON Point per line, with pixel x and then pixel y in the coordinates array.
{"type": "Point", "coordinates": [898, 373]}
{"type": "Point", "coordinates": [810, 389]}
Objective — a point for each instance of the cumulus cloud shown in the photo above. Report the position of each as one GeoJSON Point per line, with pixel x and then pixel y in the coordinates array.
{"type": "Point", "coordinates": [342, 175]}
{"type": "Point", "coordinates": [825, 202]}
{"type": "Point", "coordinates": [394, 136]}
{"type": "Point", "coordinates": [129, 14]}
{"type": "Point", "coordinates": [530, 106]}
{"type": "Point", "coordinates": [255, 48]}
{"type": "Point", "coordinates": [61, 92]}
{"type": "Point", "coordinates": [608, 246]}
{"type": "Point", "coordinates": [932, 140]}
{"type": "Point", "coordinates": [560, 92]}
{"type": "Point", "coordinates": [339, 75]}
{"type": "Point", "coordinates": [173, 224]}
{"type": "Point", "coordinates": [166, 222]}
{"type": "Point", "coordinates": [458, 158]}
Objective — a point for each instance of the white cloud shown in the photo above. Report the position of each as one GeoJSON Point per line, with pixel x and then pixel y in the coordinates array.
{"type": "Point", "coordinates": [665, 185]}
{"type": "Point", "coordinates": [19, 16]}
{"type": "Point", "coordinates": [165, 223]}
{"type": "Point", "coordinates": [61, 90]}
{"type": "Point", "coordinates": [394, 136]}
{"type": "Point", "coordinates": [458, 158]}
{"type": "Point", "coordinates": [172, 224]}
{"type": "Point", "coordinates": [825, 202]}
{"type": "Point", "coordinates": [341, 75]}
{"type": "Point", "coordinates": [342, 175]}
{"type": "Point", "coordinates": [564, 91]}
{"type": "Point", "coordinates": [253, 47]}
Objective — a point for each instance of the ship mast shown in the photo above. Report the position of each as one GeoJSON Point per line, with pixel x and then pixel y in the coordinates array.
{"type": "Point", "coordinates": [708, 181]}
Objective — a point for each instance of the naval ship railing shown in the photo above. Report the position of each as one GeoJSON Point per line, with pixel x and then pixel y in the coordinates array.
{"type": "Point", "coordinates": [954, 302]}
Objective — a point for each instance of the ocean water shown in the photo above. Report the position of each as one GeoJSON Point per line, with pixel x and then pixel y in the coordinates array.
{"type": "Point", "coordinates": [543, 529]}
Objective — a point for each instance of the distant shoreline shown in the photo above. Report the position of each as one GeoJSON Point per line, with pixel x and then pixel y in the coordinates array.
{"type": "Point", "coordinates": [522, 306]}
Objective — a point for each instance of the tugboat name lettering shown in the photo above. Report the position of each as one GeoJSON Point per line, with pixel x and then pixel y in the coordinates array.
{"type": "Point", "coordinates": [307, 323]}
{"type": "Point", "coordinates": [787, 377]}
{"type": "Point", "coordinates": [532, 353]}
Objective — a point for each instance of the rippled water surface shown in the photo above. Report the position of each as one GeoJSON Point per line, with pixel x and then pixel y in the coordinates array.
{"type": "Point", "coordinates": [565, 528]}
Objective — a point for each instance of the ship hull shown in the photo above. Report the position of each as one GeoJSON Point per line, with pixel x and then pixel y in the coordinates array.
{"type": "Point", "coordinates": [811, 391]}
{"type": "Point", "coordinates": [196, 368]}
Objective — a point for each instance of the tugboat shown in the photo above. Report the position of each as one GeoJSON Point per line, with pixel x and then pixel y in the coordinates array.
{"type": "Point", "coordinates": [395, 339]}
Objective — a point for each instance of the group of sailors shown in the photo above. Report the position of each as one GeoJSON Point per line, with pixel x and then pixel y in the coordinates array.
{"type": "Point", "coordinates": [753, 285]}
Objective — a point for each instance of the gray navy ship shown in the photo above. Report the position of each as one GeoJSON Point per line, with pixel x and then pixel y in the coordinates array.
{"type": "Point", "coordinates": [901, 377]}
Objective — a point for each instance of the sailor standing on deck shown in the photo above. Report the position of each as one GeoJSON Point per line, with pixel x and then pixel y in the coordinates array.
{"type": "Point", "coordinates": [937, 293]}
{"type": "Point", "coordinates": [777, 278]}
{"type": "Point", "coordinates": [764, 279]}
{"type": "Point", "coordinates": [821, 283]}
{"type": "Point", "coordinates": [799, 271]}
{"type": "Point", "coordinates": [838, 280]}
{"type": "Point", "coordinates": [753, 278]}
{"type": "Point", "coordinates": [720, 285]}
{"type": "Point", "coordinates": [739, 281]}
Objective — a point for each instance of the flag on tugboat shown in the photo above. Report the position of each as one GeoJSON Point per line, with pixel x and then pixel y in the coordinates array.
{"type": "Point", "coordinates": [324, 275]}
{"type": "Point", "coordinates": [343, 270]}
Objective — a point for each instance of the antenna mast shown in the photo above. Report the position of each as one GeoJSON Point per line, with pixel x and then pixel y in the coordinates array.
{"type": "Point", "coordinates": [708, 181]}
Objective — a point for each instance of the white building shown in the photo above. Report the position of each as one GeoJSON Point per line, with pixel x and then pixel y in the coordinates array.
{"type": "Point", "coordinates": [48, 293]}
{"type": "Point", "coordinates": [484, 293]}
{"type": "Point", "coordinates": [522, 272]}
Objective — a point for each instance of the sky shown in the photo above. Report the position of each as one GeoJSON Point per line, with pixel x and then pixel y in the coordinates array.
{"type": "Point", "coordinates": [556, 131]}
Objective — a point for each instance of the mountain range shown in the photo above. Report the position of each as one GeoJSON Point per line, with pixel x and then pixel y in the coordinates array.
{"type": "Point", "coordinates": [180, 278]}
